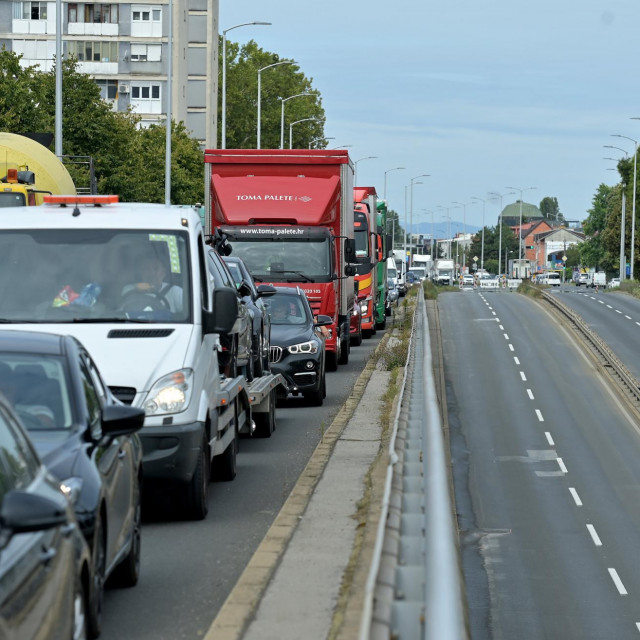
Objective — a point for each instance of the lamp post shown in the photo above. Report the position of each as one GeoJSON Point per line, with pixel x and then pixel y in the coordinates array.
{"type": "Point", "coordinates": [500, 195]}
{"type": "Point", "coordinates": [355, 168]}
{"type": "Point", "coordinates": [291, 129]}
{"type": "Point", "coordinates": [224, 76]}
{"type": "Point", "coordinates": [283, 100]}
{"type": "Point", "coordinates": [433, 237]}
{"type": "Point", "coordinates": [385, 179]}
{"type": "Point", "coordinates": [610, 146]}
{"type": "Point", "coordinates": [623, 213]}
{"type": "Point", "coordinates": [269, 66]}
{"type": "Point", "coordinates": [422, 175]}
{"type": "Point", "coordinates": [633, 204]}
{"type": "Point", "coordinates": [319, 138]}
{"type": "Point", "coordinates": [464, 231]}
{"type": "Point", "coordinates": [520, 227]}
{"type": "Point", "coordinates": [482, 246]}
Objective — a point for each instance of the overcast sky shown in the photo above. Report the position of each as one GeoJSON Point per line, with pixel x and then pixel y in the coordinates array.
{"type": "Point", "coordinates": [480, 95]}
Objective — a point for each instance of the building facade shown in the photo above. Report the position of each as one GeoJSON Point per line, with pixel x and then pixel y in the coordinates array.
{"type": "Point", "coordinates": [124, 46]}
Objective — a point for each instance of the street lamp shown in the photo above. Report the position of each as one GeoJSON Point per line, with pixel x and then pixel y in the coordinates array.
{"type": "Point", "coordinates": [610, 146]}
{"type": "Point", "coordinates": [464, 231]}
{"type": "Point", "coordinates": [275, 64]}
{"type": "Point", "coordinates": [355, 168]}
{"type": "Point", "coordinates": [433, 237]}
{"type": "Point", "coordinates": [482, 249]}
{"type": "Point", "coordinates": [224, 76]}
{"type": "Point", "coordinates": [319, 138]}
{"type": "Point", "coordinates": [297, 95]}
{"type": "Point", "coordinates": [385, 179]}
{"type": "Point", "coordinates": [422, 175]}
{"type": "Point", "coordinates": [291, 128]}
{"type": "Point", "coordinates": [520, 227]}
{"type": "Point", "coordinates": [500, 195]}
{"type": "Point", "coordinates": [633, 204]}
{"type": "Point", "coordinates": [623, 214]}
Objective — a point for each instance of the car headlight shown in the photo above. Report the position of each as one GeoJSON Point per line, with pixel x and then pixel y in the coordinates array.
{"type": "Point", "coordinates": [170, 394]}
{"type": "Point", "coordinates": [304, 347]}
{"type": "Point", "coordinates": [72, 487]}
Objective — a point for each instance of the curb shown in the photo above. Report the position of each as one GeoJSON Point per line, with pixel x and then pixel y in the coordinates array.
{"type": "Point", "coordinates": [241, 603]}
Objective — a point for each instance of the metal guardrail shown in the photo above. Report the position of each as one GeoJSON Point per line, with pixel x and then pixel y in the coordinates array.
{"type": "Point", "coordinates": [600, 347]}
{"type": "Point", "coordinates": [415, 586]}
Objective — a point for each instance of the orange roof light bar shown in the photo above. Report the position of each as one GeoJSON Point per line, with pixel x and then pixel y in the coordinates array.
{"type": "Point", "coordinates": [85, 200]}
{"type": "Point", "coordinates": [12, 175]}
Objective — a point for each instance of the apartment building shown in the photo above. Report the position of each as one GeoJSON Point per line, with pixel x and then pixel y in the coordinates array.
{"type": "Point", "coordinates": [124, 47]}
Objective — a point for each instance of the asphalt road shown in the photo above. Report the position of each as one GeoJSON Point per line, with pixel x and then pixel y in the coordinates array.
{"type": "Point", "coordinates": [188, 568]}
{"type": "Point", "coordinates": [546, 476]}
{"type": "Point", "coordinates": [614, 316]}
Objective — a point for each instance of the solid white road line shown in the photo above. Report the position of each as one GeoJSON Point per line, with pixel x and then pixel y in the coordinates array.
{"type": "Point", "coordinates": [616, 580]}
{"type": "Point", "coordinates": [594, 536]}
{"type": "Point", "coordinates": [549, 438]}
{"type": "Point", "coordinates": [576, 497]}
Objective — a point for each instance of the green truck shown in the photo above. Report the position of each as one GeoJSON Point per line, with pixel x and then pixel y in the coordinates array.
{"type": "Point", "coordinates": [384, 248]}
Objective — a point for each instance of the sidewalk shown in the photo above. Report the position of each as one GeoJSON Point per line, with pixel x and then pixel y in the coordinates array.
{"type": "Point", "coordinates": [306, 579]}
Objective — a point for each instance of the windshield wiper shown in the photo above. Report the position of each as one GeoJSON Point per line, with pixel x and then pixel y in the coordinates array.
{"type": "Point", "coordinates": [304, 277]}
{"type": "Point", "coordinates": [17, 321]}
{"type": "Point", "coordinates": [114, 319]}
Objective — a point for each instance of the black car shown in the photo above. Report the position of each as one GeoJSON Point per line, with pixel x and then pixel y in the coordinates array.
{"type": "Point", "coordinates": [251, 296]}
{"type": "Point", "coordinates": [45, 564]}
{"type": "Point", "coordinates": [237, 344]}
{"type": "Point", "coordinates": [88, 441]}
{"type": "Point", "coordinates": [297, 343]}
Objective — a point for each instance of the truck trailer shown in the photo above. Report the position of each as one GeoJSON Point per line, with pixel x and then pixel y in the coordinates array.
{"type": "Point", "coordinates": [289, 215]}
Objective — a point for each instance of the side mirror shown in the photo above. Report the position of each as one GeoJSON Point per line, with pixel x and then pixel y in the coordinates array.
{"type": "Point", "coordinates": [121, 420]}
{"type": "Point", "coordinates": [23, 512]}
{"type": "Point", "coordinates": [349, 270]}
{"type": "Point", "coordinates": [244, 289]}
{"type": "Point", "coordinates": [389, 245]}
{"type": "Point", "coordinates": [224, 314]}
{"type": "Point", "coordinates": [323, 321]}
{"type": "Point", "coordinates": [349, 250]}
{"type": "Point", "coordinates": [266, 290]}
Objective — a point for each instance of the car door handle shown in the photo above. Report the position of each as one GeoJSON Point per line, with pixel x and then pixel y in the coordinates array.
{"type": "Point", "coordinates": [121, 454]}
{"type": "Point", "coordinates": [47, 555]}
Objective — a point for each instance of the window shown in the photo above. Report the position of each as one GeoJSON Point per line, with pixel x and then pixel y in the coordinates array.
{"type": "Point", "coordinates": [94, 406]}
{"type": "Point", "coordinates": [108, 89]}
{"type": "Point", "coordinates": [144, 14]}
{"type": "Point", "coordinates": [72, 12]}
{"type": "Point", "coordinates": [30, 10]}
{"type": "Point", "coordinates": [145, 52]}
{"type": "Point", "coordinates": [145, 92]}
{"type": "Point", "coordinates": [93, 51]}
{"type": "Point", "coordinates": [101, 13]}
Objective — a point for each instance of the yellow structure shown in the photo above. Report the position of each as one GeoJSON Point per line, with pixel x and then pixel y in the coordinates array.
{"type": "Point", "coordinates": [29, 171]}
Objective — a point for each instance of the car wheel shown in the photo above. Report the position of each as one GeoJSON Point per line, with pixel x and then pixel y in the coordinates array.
{"type": "Point", "coordinates": [356, 340]}
{"type": "Point", "coordinates": [99, 559]}
{"type": "Point", "coordinates": [266, 422]}
{"type": "Point", "coordinates": [249, 368]}
{"type": "Point", "coordinates": [315, 398]}
{"type": "Point", "coordinates": [80, 621]}
{"type": "Point", "coordinates": [332, 361]}
{"type": "Point", "coordinates": [382, 325]}
{"type": "Point", "coordinates": [127, 572]}
{"type": "Point", "coordinates": [197, 493]}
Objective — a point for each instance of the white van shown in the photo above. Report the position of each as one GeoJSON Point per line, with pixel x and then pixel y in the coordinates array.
{"type": "Point", "coordinates": [79, 270]}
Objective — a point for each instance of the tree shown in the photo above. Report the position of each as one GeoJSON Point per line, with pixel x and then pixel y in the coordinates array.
{"type": "Point", "coordinates": [550, 209]}
{"type": "Point", "coordinates": [593, 250]}
{"type": "Point", "coordinates": [279, 82]}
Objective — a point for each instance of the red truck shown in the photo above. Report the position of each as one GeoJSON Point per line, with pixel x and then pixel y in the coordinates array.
{"type": "Point", "coordinates": [288, 213]}
{"type": "Point", "coordinates": [366, 256]}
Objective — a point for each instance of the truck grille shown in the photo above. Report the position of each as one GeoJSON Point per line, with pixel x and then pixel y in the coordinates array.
{"type": "Point", "coordinates": [275, 354]}
{"type": "Point", "coordinates": [124, 394]}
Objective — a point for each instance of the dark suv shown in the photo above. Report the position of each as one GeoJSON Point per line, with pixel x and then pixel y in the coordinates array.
{"type": "Point", "coordinates": [297, 343]}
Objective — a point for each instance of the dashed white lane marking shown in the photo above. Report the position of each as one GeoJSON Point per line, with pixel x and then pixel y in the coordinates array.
{"type": "Point", "coordinates": [594, 536]}
{"type": "Point", "coordinates": [609, 306]}
{"type": "Point", "coordinates": [506, 336]}
{"type": "Point", "coordinates": [616, 580]}
{"type": "Point", "coordinates": [501, 328]}
{"type": "Point", "coordinates": [618, 311]}
{"type": "Point", "coordinates": [549, 438]}
{"type": "Point", "coordinates": [511, 347]}
{"type": "Point", "coordinates": [539, 414]}
{"type": "Point", "coordinates": [638, 626]}
{"type": "Point", "coordinates": [524, 378]}
{"type": "Point", "coordinates": [601, 301]}
{"type": "Point", "coordinates": [494, 313]}
{"type": "Point", "coordinates": [515, 359]}
{"type": "Point", "coordinates": [576, 497]}
{"type": "Point", "coordinates": [638, 323]}
{"type": "Point", "coordinates": [628, 317]}
{"type": "Point", "coordinates": [561, 465]}
{"type": "Point", "coordinates": [530, 393]}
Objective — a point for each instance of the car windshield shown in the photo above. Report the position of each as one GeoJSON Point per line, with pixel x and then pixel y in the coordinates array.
{"type": "Point", "coordinates": [285, 259]}
{"type": "Point", "coordinates": [286, 309]}
{"type": "Point", "coordinates": [94, 275]}
{"type": "Point", "coordinates": [37, 387]}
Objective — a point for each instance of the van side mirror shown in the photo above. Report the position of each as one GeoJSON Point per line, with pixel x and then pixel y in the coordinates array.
{"type": "Point", "coordinates": [349, 250]}
{"type": "Point", "coordinates": [224, 314]}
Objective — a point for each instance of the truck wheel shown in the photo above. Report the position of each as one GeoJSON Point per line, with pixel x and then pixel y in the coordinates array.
{"type": "Point", "coordinates": [332, 361]}
{"type": "Point", "coordinates": [197, 493]}
{"type": "Point", "coordinates": [344, 351]}
{"type": "Point", "coordinates": [366, 333]}
{"type": "Point", "coordinates": [382, 325]}
{"type": "Point", "coordinates": [266, 422]}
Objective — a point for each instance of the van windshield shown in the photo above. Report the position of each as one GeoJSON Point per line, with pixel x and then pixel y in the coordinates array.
{"type": "Point", "coordinates": [94, 275]}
